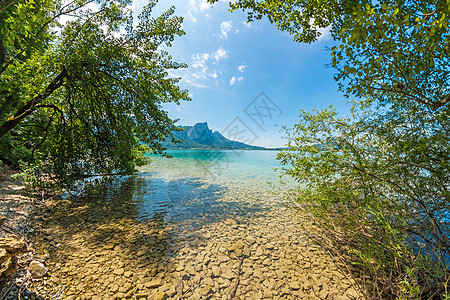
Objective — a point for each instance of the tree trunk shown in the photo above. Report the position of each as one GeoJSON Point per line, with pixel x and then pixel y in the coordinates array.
{"type": "Point", "coordinates": [29, 107]}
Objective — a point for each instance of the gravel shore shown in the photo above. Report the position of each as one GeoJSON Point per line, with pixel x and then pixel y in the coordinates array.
{"type": "Point", "coordinates": [99, 250]}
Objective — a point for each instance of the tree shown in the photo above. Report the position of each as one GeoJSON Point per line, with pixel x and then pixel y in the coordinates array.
{"type": "Point", "coordinates": [82, 83]}
{"type": "Point", "coordinates": [378, 180]}
{"type": "Point", "coordinates": [395, 51]}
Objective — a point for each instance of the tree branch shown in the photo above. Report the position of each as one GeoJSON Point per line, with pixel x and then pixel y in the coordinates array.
{"type": "Point", "coordinates": [30, 106]}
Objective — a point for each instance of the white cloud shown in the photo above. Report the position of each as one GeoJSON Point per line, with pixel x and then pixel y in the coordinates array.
{"type": "Point", "coordinates": [199, 5]}
{"type": "Point", "coordinates": [246, 24]}
{"type": "Point", "coordinates": [225, 27]}
{"type": "Point", "coordinates": [325, 33]}
{"type": "Point", "coordinates": [191, 17]}
{"type": "Point", "coordinates": [199, 73]}
{"type": "Point", "coordinates": [242, 68]}
{"type": "Point", "coordinates": [220, 53]}
{"type": "Point", "coordinates": [234, 79]}
{"type": "Point", "coordinates": [199, 60]}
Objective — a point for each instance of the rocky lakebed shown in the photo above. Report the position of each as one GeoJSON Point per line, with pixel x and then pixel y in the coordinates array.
{"type": "Point", "coordinates": [99, 247]}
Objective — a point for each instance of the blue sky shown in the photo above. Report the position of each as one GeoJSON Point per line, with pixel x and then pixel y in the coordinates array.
{"type": "Point", "coordinates": [246, 79]}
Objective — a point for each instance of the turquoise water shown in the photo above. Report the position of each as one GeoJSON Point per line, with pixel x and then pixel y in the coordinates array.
{"type": "Point", "coordinates": [252, 166]}
{"type": "Point", "coordinates": [198, 186]}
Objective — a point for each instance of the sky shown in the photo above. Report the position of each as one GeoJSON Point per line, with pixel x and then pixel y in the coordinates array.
{"type": "Point", "coordinates": [246, 80]}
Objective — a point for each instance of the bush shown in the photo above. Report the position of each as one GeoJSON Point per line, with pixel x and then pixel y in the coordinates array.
{"type": "Point", "coordinates": [379, 181]}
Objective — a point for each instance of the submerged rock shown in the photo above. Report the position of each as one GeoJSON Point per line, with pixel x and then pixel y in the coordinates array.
{"type": "Point", "coordinates": [37, 269]}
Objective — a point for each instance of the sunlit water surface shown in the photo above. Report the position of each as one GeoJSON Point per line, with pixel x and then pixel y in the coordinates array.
{"type": "Point", "coordinates": [201, 186]}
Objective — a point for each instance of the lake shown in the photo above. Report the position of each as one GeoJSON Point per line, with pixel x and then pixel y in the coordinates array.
{"type": "Point", "coordinates": [213, 183]}
{"type": "Point", "coordinates": [203, 224]}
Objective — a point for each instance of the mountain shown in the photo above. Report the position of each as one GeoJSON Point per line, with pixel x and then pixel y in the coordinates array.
{"type": "Point", "coordinates": [200, 136]}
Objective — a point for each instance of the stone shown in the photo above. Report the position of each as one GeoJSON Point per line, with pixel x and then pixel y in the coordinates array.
{"type": "Point", "coordinates": [153, 284]}
{"type": "Point", "coordinates": [206, 290]}
{"type": "Point", "coordinates": [352, 293]}
{"type": "Point", "coordinates": [128, 274]}
{"type": "Point", "coordinates": [294, 285]}
{"type": "Point", "coordinates": [227, 273]}
{"type": "Point", "coordinates": [153, 271]}
{"type": "Point", "coordinates": [141, 296]}
{"type": "Point", "coordinates": [13, 245]}
{"type": "Point", "coordinates": [37, 269]}
{"type": "Point", "coordinates": [216, 271]}
{"type": "Point", "coordinates": [198, 268]}
{"type": "Point", "coordinates": [223, 258]}
{"type": "Point", "coordinates": [8, 264]}
{"type": "Point", "coordinates": [259, 251]}
{"type": "Point", "coordinates": [160, 296]}
{"type": "Point", "coordinates": [323, 294]}
{"type": "Point", "coordinates": [230, 221]}
{"type": "Point", "coordinates": [236, 246]}
{"type": "Point", "coordinates": [251, 240]}
{"type": "Point", "coordinates": [119, 271]}
{"type": "Point", "coordinates": [114, 288]}
{"type": "Point", "coordinates": [270, 246]}
{"type": "Point", "coordinates": [258, 273]}
{"type": "Point", "coordinates": [268, 294]}
{"type": "Point", "coordinates": [209, 281]}
{"type": "Point", "coordinates": [109, 246]}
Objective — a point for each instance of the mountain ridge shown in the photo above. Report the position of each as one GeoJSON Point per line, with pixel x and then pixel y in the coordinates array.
{"type": "Point", "coordinates": [200, 136]}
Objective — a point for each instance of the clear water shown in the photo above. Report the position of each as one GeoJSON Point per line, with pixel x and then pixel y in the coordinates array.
{"type": "Point", "coordinates": [200, 186]}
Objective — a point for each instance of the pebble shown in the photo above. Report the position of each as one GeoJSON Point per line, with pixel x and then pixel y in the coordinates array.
{"type": "Point", "coordinates": [37, 269]}
{"type": "Point", "coordinates": [153, 284]}
{"type": "Point", "coordinates": [118, 271]}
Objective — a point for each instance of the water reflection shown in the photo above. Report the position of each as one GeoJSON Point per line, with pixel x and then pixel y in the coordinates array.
{"type": "Point", "coordinates": [188, 200]}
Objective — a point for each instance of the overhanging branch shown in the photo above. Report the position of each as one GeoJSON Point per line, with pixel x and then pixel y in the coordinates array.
{"type": "Point", "coordinates": [30, 106]}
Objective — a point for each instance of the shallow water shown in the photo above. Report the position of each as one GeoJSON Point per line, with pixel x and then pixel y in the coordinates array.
{"type": "Point", "coordinates": [201, 225]}
{"type": "Point", "coordinates": [207, 184]}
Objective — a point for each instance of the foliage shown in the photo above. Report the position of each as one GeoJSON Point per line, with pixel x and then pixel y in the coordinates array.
{"type": "Point", "coordinates": [393, 51]}
{"type": "Point", "coordinates": [379, 181]}
{"type": "Point", "coordinates": [82, 83]}
{"type": "Point", "coordinates": [379, 178]}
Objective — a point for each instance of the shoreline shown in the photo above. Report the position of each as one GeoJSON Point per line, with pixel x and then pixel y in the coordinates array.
{"type": "Point", "coordinates": [94, 251]}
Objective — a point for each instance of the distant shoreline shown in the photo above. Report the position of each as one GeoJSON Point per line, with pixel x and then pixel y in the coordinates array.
{"type": "Point", "coordinates": [249, 149]}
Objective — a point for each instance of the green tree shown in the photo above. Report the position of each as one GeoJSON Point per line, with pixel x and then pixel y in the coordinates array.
{"type": "Point", "coordinates": [393, 50]}
{"type": "Point", "coordinates": [379, 180]}
{"type": "Point", "coordinates": [82, 83]}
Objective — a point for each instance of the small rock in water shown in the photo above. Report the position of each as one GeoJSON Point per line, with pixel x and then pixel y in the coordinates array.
{"type": "Point", "coordinates": [37, 269]}
{"type": "Point", "coordinates": [230, 221]}
{"type": "Point", "coordinates": [237, 246]}
{"type": "Point", "coordinates": [119, 271]}
{"type": "Point", "coordinates": [294, 285]}
{"type": "Point", "coordinates": [206, 290]}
